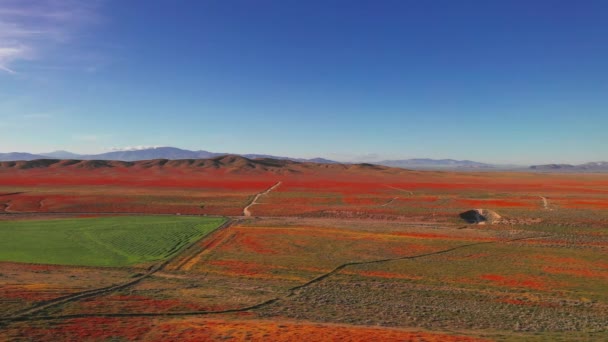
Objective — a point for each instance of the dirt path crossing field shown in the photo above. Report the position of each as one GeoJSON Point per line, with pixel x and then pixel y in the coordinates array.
{"type": "Point", "coordinates": [246, 211]}
{"type": "Point", "coordinates": [411, 193]}
{"type": "Point", "coordinates": [390, 201]}
{"type": "Point", "coordinates": [545, 202]}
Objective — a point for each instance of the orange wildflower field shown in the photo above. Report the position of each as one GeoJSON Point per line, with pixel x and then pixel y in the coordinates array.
{"type": "Point", "coordinates": [317, 252]}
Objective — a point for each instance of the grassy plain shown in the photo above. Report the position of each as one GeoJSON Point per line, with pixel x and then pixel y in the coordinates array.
{"type": "Point", "coordinates": [109, 241]}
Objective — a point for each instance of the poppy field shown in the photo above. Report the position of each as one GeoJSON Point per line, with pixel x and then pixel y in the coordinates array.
{"type": "Point", "coordinates": [331, 252]}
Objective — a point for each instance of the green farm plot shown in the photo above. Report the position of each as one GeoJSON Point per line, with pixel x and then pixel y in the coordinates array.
{"type": "Point", "coordinates": [109, 241]}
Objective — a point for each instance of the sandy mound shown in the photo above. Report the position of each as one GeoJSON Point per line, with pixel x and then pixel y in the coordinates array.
{"type": "Point", "coordinates": [480, 216]}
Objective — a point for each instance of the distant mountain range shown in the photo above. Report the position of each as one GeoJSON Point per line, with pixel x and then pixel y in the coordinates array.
{"type": "Point", "coordinates": [587, 167]}
{"type": "Point", "coordinates": [435, 163]}
{"type": "Point", "coordinates": [173, 153]}
{"type": "Point", "coordinates": [11, 156]}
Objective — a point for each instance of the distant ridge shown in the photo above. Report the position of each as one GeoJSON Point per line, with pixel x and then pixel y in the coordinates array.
{"type": "Point", "coordinates": [233, 164]}
{"type": "Point", "coordinates": [435, 163]}
{"type": "Point", "coordinates": [19, 156]}
{"type": "Point", "coordinates": [587, 167]}
{"type": "Point", "coordinates": [61, 155]}
{"type": "Point", "coordinates": [171, 153]}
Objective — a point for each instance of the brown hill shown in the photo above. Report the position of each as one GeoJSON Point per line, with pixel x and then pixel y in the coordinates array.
{"type": "Point", "coordinates": [228, 163]}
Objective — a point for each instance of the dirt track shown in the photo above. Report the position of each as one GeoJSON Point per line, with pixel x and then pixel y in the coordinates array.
{"type": "Point", "coordinates": [246, 211]}
{"type": "Point", "coordinates": [411, 193]}
{"type": "Point", "coordinates": [545, 202]}
{"type": "Point", "coordinates": [389, 201]}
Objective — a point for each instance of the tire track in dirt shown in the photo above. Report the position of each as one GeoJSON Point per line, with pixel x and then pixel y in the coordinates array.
{"type": "Point", "coordinates": [389, 201]}
{"type": "Point", "coordinates": [219, 237]}
{"type": "Point", "coordinates": [23, 314]}
{"type": "Point", "coordinates": [545, 202]}
{"type": "Point", "coordinates": [411, 193]}
{"type": "Point", "coordinates": [12, 193]}
{"type": "Point", "coordinates": [290, 292]}
{"type": "Point", "coordinates": [7, 208]}
{"type": "Point", "coordinates": [246, 211]}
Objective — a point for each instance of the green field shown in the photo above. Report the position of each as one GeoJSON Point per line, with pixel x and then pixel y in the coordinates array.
{"type": "Point", "coordinates": [108, 241]}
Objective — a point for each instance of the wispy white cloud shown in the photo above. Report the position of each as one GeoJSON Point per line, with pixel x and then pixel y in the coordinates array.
{"type": "Point", "coordinates": [9, 54]}
{"type": "Point", "coordinates": [29, 27]}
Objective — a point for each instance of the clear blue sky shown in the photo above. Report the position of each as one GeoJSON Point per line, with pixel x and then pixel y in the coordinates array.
{"type": "Point", "coordinates": [492, 81]}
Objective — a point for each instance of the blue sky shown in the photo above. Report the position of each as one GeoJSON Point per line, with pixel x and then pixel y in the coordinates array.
{"type": "Point", "coordinates": [492, 81]}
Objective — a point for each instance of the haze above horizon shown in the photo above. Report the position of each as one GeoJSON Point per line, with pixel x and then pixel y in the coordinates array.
{"type": "Point", "coordinates": [514, 82]}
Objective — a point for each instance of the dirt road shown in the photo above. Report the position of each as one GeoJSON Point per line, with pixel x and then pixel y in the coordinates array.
{"type": "Point", "coordinates": [545, 202]}
{"type": "Point", "coordinates": [389, 202]}
{"type": "Point", "coordinates": [246, 211]}
{"type": "Point", "coordinates": [409, 192]}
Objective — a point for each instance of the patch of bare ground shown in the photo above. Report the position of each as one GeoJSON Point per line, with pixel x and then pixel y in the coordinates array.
{"type": "Point", "coordinates": [350, 300]}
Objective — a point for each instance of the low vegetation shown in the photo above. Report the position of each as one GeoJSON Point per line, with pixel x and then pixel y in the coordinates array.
{"type": "Point", "coordinates": [112, 241]}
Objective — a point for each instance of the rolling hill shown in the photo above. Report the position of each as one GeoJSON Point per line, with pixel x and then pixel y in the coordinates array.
{"type": "Point", "coordinates": [233, 164]}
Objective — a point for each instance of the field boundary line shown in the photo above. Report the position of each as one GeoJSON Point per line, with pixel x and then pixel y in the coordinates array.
{"type": "Point", "coordinates": [103, 213]}
{"type": "Point", "coordinates": [195, 250]}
